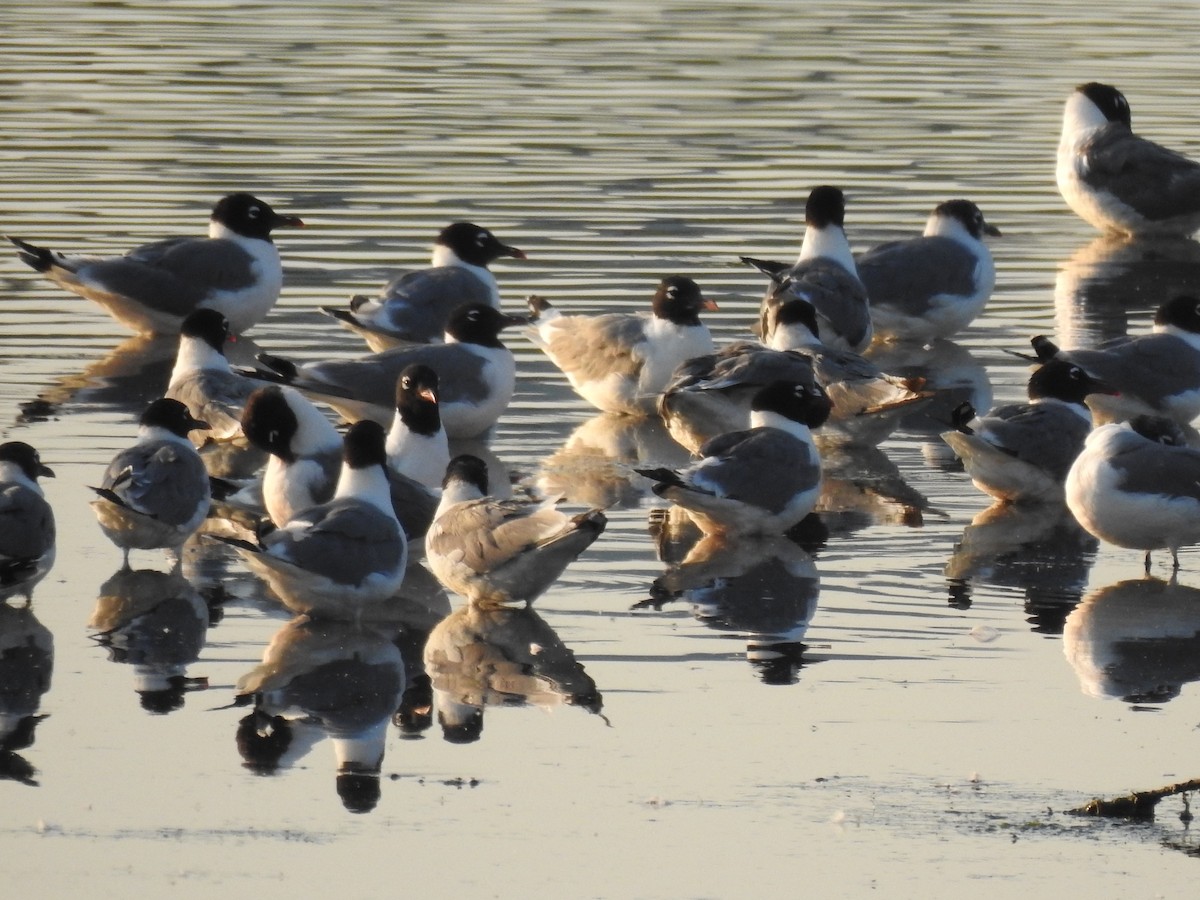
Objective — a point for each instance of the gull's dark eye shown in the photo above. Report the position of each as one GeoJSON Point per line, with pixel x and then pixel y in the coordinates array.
{"type": "Point", "coordinates": [482, 238]}
{"type": "Point", "coordinates": [672, 292]}
{"type": "Point", "coordinates": [406, 382]}
{"type": "Point", "coordinates": [1075, 372]}
{"type": "Point", "coordinates": [254, 212]}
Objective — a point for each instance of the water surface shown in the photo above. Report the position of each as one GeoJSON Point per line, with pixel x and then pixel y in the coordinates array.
{"type": "Point", "coordinates": [925, 695]}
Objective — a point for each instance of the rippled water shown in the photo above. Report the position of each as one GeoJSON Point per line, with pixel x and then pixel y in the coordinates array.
{"type": "Point", "coordinates": [914, 721]}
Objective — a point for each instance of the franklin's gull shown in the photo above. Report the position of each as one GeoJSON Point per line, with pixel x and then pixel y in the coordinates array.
{"type": "Point", "coordinates": [156, 493]}
{"type": "Point", "coordinates": [345, 558]}
{"type": "Point", "coordinates": [824, 274]}
{"type": "Point", "coordinates": [620, 362]}
{"type": "Point", "coordinates": [501, 551]}
{"type": "Point", "coordinates": [935, 285]}
{"type": "Point", "coordinates": [417, 446]}
{"type": "Point", "coordinates": [1118, 181]}
{"type": "Point", "coordinates": [476, 374]}
{"type": "Point", "coordinates": [1155, 374]}
{"type": "Point", "coordinates": [202, 379]}
{"type": "Point", "coordinates": [151, 289]}
{"type": "Point", "coordinates": [305, 450]}
{"type": "Point", "coordinates": [1137, 484]}
{"type": "Point", "coordinates": [414, 306]}
{"type": "Point", "coordinates": [760, 481]}
{"type": "Point", "coordinates": [1023, 451]}
{"type": "Point", "coordinates": [26, 519]}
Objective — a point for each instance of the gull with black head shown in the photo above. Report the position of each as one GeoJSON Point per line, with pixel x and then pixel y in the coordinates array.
{"type": "Point", "coordinates": [415, 306]}
{"type": "Point", "coordinates": [620, 362]}
{"type": "Point", "coordinates": [155, 494]}
{"type": "Point", "coordinates": [476, 373]}
{"type": "Point", "coordinates": [756, 482]}
{"type": "Point", "coordinates": [825, 275]}
{"type": "Point", "coordinates": [1119, 181]}
{"type": "Point", "coordinates": [236, 270]}
{"type": "Point", "coordinates": [935, 285]}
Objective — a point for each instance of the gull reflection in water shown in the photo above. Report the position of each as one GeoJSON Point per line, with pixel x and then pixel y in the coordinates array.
{"type": "Point", "coordinates": [26, 663]}
{"type": "Point", "coordinates": [134, 373]}
{"type": "Point", "coordinates": [765, 589]}
{"type": "Point", "coordinates": [594, 467]}
{"type": "Point", "coordinates": [950, 373]}
{"type": "Point", "coordinates": [1136, 640]}
{"type": "Point", "coordinates": [323, 679]}
{"type": "Point", "coordinates": [1106, 280]}
{"type": "Point", "coordinates": [156, 622]}
{"type": "Point", "coordinates": [489, 655]}
{"type": "Point", "coordinates": [1036, 548]}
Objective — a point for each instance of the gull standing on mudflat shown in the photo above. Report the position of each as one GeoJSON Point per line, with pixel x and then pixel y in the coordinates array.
{"type": "Point", "coordinates": [1120, 182]}
{"type": "Point", "coordinates": [620, 362]}
{"type": "Point", "coordinates": [476, 373]}
{"type": "Point", "coordinates": [760, 481]}
{"type": "Point", "coordinates": [26, 520]}
{"type": "Point", "coordinates": [1136, 484]}
{"type": "Point", "coordinates": [501, 551]}
{"type": "Point", "coordinates": [824, 274]}
{"type": "Point", "coordinates": [236, 270]}
{"type": "Point", "coordinates": [156, 493]}
{"type": "Point", "coordinates": [345, 558]}
{"type": "Point", "coordinates": [935, 285]}
{"type": "Point", "coordinates": [1023, 451]}
{"type": "Point", "coordinates": [415, 306]}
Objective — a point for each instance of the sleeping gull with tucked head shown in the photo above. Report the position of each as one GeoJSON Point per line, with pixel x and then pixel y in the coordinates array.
{"type": "Point", "coordinates": [1118, 181]}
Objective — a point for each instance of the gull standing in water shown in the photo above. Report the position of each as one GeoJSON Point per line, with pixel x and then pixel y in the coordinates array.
{"type": "Point", "coordinates": [156, 493]}
{"type": "Point", "coordinates": [415, 306]}
{"type": "Point", "coordinates": [236, 270]}
{"type": "Point", "coordinates": [620, 362]}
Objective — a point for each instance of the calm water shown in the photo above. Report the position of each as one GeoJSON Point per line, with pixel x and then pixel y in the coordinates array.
{"type": "Point", "coordinates": [920, 699]}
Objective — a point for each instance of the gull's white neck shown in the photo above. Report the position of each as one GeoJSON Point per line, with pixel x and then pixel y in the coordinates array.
{"type": "Point", "coordinates": [444, 256]}
{"type": "Point", "coordinates": [197, 355]}
{"type": "Point", "coordinates": [1081, 117]}
{"type": "Point", "coordinates": [794, 336]}
{"type": "Point", "coordinates": [950, 227]}
{"type": "Point", "coordinates": [148, 433]}
{"type": "Point", "coordinates": [827, 243]}
{"type": "Point", "coordinates": [761, 418]}
{"type": "Point", "coordinates": [421, 457]}
{"type": "Point", "coordinates": [368, 484]}
{"type": "Point", "coordinates": [221, 232]}
{"type": "Point", "coordinates": [457, 491]}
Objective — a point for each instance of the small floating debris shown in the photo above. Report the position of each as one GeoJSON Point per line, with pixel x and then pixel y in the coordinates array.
{"type": "Point", "coordinates": [985, 634]}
